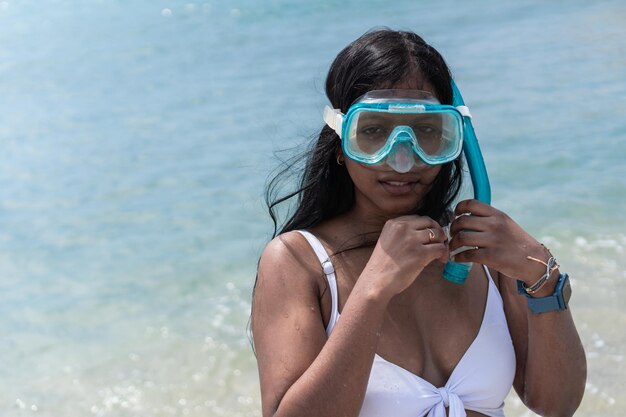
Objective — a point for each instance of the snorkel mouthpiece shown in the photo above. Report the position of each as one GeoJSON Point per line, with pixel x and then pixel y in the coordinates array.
{"type": "Point", "coordinates": [401, 159]}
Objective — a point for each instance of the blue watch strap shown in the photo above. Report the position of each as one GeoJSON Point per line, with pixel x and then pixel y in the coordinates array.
{"type": "Point", "coordinates": [555, 302]}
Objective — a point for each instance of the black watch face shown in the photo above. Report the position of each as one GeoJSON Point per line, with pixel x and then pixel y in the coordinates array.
{"type": "Point", "coordinates": [567, 291]}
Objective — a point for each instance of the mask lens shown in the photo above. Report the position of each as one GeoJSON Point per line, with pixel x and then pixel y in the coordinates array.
{"type": "Point", "coordinates": [427, 128]}
{"type": "Point", "coordinates": [370, 131]}
{"type": "Point", "coordinates": [436, 134]}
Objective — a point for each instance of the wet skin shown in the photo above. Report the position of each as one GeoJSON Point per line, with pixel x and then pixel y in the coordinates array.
{"type": "Point", "coordinates": [395, 303]}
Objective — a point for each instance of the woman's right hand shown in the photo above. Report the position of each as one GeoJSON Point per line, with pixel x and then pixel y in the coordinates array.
{"type": "Point", "coordinates": [405, 247]}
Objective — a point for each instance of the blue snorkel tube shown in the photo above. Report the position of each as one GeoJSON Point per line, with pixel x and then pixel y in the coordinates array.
{"type": "Point", "coordinates": [455, 271]}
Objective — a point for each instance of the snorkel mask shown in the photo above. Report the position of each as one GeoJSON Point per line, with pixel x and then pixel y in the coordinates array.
{"type": "Point", "coordinates": [406, 127]}
{"type": "Point", "coordinates": [399, 127]}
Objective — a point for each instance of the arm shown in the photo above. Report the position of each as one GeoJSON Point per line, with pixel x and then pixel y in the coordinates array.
{"type": "Point", "coordinates": [551, 364]}
{"type": "Point", "coordinates": [301, 372]}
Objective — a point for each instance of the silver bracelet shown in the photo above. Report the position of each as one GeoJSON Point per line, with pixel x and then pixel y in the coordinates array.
{"type": "Point", "coordinates": [551, 265]}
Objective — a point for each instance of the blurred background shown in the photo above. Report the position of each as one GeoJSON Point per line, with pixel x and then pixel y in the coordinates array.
{"type": "Point", "coordinates": [136, 139]}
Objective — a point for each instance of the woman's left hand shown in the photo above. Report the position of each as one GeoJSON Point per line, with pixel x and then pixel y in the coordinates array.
{"type": "Point", "coordinates": [500, 243]}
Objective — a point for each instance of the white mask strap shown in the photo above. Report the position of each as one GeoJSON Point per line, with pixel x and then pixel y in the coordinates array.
{"type": "Point", "coordinates": [464, 110]}
{"type": "Point", "coordinates": [334, 119]}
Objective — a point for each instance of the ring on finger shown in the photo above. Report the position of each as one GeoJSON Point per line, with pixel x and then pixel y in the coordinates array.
{"type": "Point", "coordinates": [431, 235]}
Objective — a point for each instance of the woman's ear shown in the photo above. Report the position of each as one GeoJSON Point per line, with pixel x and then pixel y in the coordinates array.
{"type": "Point", "coordinates": [340, 157]}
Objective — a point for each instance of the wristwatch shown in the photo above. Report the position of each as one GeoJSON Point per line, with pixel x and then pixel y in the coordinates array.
{"type": "Point", "coordinates": [555, 302]}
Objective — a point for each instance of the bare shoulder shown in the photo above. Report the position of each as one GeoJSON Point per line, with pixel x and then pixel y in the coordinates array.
{"type": "Point", "coordinates": [288, 260]}
{"type": "Point", "coordinates": [289, 281]}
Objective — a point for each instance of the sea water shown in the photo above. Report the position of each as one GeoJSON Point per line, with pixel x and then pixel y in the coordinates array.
{"type": "Point", "coordinates": [136, 139]}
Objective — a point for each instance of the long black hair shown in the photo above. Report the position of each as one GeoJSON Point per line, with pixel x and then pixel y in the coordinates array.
{"type": "Point", "coordinates": [378, 59]}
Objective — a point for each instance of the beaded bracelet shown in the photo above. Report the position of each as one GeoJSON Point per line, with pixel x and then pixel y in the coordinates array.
{"type": "Point", "coordinates": [551, 266]}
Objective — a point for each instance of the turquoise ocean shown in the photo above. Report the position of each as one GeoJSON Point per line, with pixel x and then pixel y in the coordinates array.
{"type": "Point", "coordinates": [136, 139]}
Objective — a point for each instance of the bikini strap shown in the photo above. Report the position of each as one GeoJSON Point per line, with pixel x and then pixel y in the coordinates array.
{"type": "Point", "coordinates": [329, 272]}
{"type": "Point", "coordinates": [497, 311]}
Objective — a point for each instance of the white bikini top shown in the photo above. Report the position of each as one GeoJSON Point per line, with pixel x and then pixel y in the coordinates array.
{"type": "Point", "coordinates": [480, 382]}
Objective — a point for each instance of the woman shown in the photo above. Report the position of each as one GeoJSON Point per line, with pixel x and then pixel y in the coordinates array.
{"type": "Point", "coordinates": [351, 315]}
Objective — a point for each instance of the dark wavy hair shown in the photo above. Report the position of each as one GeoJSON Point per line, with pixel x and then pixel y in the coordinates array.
{"type": "Point", "coordinates": [378, 59]}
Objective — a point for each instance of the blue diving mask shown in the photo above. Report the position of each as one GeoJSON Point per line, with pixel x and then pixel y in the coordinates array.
{"type": "Point", "coordinates": [399, 127]}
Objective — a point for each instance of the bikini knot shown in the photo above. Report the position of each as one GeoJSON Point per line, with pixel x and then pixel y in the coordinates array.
{"type": "Point", "coordinates": [443, 391]}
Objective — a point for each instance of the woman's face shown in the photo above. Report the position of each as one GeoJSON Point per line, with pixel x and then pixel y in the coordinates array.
{"type": "Point", "coordinates": [385, 192]}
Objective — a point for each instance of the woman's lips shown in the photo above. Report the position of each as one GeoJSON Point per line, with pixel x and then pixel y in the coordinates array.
{"type": "Point", "coordinates": [398, 187]}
